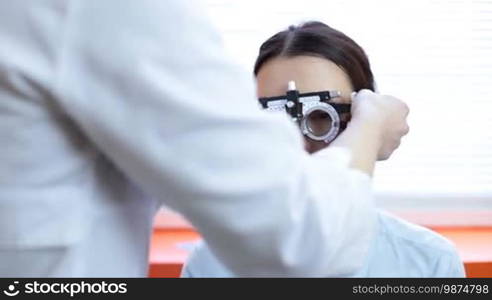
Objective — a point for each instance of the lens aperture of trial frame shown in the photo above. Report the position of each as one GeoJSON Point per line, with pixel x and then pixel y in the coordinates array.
{"type": "Point", "coordinates": [319, 122]}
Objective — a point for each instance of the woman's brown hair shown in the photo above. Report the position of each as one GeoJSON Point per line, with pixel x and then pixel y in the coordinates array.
{"type": "Point", "coordinates": [318, 39]}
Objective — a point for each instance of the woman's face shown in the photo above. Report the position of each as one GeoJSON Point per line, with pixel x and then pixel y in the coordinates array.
{"type": "Point", "coordinates": [311, 74]}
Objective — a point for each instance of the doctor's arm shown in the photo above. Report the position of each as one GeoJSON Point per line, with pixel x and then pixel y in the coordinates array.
{"type": "Point", "coordinates": [150, 85]}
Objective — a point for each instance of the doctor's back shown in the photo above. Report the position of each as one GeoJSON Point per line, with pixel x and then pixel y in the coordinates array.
{"type": "Point", "coordinates": [65, 210]}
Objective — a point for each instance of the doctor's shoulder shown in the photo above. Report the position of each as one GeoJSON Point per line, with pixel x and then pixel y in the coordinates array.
{"type": "Point", "coordinates": [422, 249]}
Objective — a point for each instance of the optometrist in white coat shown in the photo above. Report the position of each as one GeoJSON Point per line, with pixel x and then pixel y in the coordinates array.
{"type": "Point", "coordinates": [109, 109]}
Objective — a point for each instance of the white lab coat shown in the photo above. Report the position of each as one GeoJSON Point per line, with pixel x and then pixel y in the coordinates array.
{"type": "Point", "coordinates": [111, 108]}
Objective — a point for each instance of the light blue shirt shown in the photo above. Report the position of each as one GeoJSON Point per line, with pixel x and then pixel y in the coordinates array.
{"type": "Point", "coordinates": [400, 249]}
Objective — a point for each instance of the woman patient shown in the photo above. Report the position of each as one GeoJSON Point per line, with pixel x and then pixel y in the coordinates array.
{"type": "Point", "coordinates": [319, 58]}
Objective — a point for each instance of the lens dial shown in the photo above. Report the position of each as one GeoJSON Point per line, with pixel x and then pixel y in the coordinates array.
{"type": "Point", "coordinates": [320, 122]}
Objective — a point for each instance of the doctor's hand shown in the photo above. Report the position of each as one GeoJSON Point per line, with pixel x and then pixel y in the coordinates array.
{"type": "Point", "coordinates": [386, 112]}
{"type": "Point", "coordinates": [375, 130]}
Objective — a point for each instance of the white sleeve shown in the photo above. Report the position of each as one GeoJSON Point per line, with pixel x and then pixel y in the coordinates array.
{"type": "Point", "coordinates": [150, 85]}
